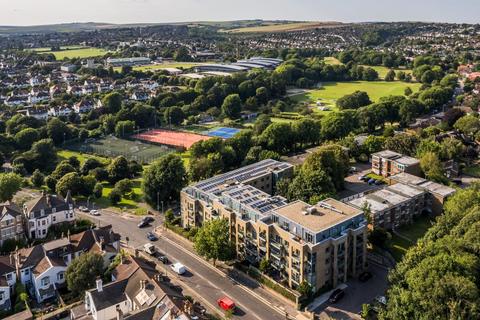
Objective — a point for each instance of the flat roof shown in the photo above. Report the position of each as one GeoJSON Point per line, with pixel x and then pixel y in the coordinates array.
{"type": "Point", "coordinates": [406, 190]}
{"type": "Point", "coordinates": [254, 198]}
{"type": "Point", "coordinates": [406, 160]}
{"type": "Point", "coordinates": [240, 175]}
{"type": "Point", "coordinates": [408, 178]}
{"type": "Point", "coordinates": [389, 154]}
{"type": "Point", "coordinates": [327, 213]}
{"type": "Point", "coordinates": [437, 188]}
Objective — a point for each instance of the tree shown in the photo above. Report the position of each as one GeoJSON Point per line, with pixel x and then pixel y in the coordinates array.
{"type": "Point", "coordinates": [115, 196]}
{"type": "Point", "coordinates": [212, 241]}
{"type": "Point", "coordinates": [264, 265]}
{"type": "Point", "coordinates": [124, 128]}
{"type": "Point", "coordinates": [354, 101]}
{"type": "Point", "coordinates": [433, 168]}
{"type": "Point", "coordinates": [37, 178]}
{"type": "Point", "coordinates": [10, 183]}
{"type": "Point", "coordinates": [112, 102]}
{"type": "Point", "coordinates": [90, 164]}
{"type": "Point", "coordinates": [118, 169]}
{"type": "Point", "coordinates": [390, 76]}
{"type": "Point", "coordinates": [165, 178]}
{"type": "Point", "coordinates": [124, 186]}
{"type": "Point", "coordinates": [469, 125]}
{"type": "Point", "coordinates": [98, 190]}
{"type": "Point", "coordinates": [277, 137]}
{"type": "Point", "coordinates": [83, 271]}
{"type": "Point", "coordinates": [452, 115]}
{"type": "Point", "coordinates": [305, 289]}
{"type": "Point", "coordinates": [402, 143]}
{"type": "Point", "coordinates": [26, 137]}
{"type": "Point", "coordinates": [174, 116]}
{"type": "Point", "coordinates": [58, 131]}
{"type": "Point", "coordinates": [262, 123]}
{"type": "Point", "coordinates": [232, 106]}
{"type": "Point", "coordinates": [70, 182]}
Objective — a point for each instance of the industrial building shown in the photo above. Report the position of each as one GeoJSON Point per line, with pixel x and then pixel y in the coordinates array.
{"type": "Point", "coordinates": [240, 66]}
{"type": "Point", "coordinates": [120, 62]}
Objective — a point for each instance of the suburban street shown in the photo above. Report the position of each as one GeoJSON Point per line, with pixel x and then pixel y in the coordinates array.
{"type": "Point", "coordinates": [207, 282]}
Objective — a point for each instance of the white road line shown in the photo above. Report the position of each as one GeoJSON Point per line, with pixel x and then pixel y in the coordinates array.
{"type": "Point", "coordinates": [248, 290]}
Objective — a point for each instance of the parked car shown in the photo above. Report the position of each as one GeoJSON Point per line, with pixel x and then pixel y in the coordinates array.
{"type": "Point", "coordinates": [365, 276]}
{"type": "Point", "coordinates": [151, 236]}
{"type": "Point", "coordinates": [379, 182]}
{"type": "Point", "coordinates": [149, 248]}
{"type": "Point", "coordinates": [371, 181]}
{"type": "Point", "coordinates": [83, 209]}
{"type": "Point", "coordinates": [336, 296]}
{"type": "Point", "coordinates": [163, 259]}
{"type": "Point", "coordinates": [143, 224]}
{"type": "Point", "coordinates": [95, 213]}
{"type": "Point", "coordinates": [178, 268]}
{"type": "Point", "coordinates": [148, 219]}
{"type": "Point", "coordinates": [226, 304]}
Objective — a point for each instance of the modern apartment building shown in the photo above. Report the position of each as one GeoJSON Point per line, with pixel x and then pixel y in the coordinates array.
{"type": "Point", "coordinates": [322, 244]}
{"type": "Point", "coordinates": [393, 206]}
{"type": "Point", "coordinates": [437, 193]}
{"type": "Point", "coordinates": [388, 163]}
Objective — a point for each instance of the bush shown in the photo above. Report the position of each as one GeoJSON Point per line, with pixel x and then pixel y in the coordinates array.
{"type": "Point", "coordinates": [115, 196]}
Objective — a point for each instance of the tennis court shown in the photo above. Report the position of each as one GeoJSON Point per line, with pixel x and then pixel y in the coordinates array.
{"type": "Point", "coordinates": [223, 132]}
{"type": "Point", "coordinates": [171, 138]}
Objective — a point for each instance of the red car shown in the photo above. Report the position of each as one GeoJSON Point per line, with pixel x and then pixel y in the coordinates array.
{"type": "Point", "coordinates": [226, 304]}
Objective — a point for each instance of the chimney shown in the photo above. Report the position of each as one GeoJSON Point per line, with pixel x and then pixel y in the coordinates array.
{"type": "Point", "coordinates": [68, 235]}
{"type": "Point", "coordinates": [11, 259]}
{"type": "Point", "coordinates": [99, 285]}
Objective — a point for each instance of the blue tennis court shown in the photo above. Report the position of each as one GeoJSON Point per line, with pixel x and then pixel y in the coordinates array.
{"type": "Point", "coordinates": [225, 133]}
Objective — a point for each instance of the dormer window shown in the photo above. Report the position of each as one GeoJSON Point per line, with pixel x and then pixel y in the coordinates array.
{"type": "Point", "coordinates": [42, 212]}
{"type": "Point", "coordinates": [54, 210]}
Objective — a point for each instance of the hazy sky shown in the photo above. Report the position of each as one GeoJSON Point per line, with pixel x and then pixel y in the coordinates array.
{"type": "Point", "coordinates": [33, 12]}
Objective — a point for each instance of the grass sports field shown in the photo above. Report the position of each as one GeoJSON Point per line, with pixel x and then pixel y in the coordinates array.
{"type": "Point", "coordinates": [133, 150]}
{"type": "Point", "coordinates": [331, 60]}
{"type": "Point", "coordinates": [382, 71]}
{"type": "Point", "coordinates": [73, 52]}
{"type": "Point", "coordinates": [331, 91]}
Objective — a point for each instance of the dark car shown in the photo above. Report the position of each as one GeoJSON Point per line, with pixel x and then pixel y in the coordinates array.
{"type": "Point", "coordinates": [143, 224]}
{"type": "Point", "coordinates": [148, 219]}
{"type": "Point", "coordinates": [336, 296]}
{"type": "Point", "coordinates": [371, 181]}
{"type": "Point", "coordinates": [365, 276]}
{"type": "Point", "coordinates": [151, 236]}
{"type": "Point", "coordinates": [163, 259]}
{"type": "Point", "coordinates": [379, 182]}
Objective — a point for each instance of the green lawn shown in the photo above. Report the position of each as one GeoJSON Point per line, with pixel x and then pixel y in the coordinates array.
{"type": "Point", "coordinates": [331, 60]}
{"type": "Point", "coordinates": [382, 71]}
{"type": "Point", "coordinates": [473, 171]}
{"type": "Point", "coordinates": [332, 91]}
{"type": "Point", "coordinates": [400, 245]}
{"type": "Point", "coordinates": [131, 203]}
{"type": "Point", "coordinates": [74, 52]}
{"type": "Point", "coordinates": [65, 154]}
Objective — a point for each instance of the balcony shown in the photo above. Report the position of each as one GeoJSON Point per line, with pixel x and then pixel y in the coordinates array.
{"type": "Point", "coordinates": [276, 245]}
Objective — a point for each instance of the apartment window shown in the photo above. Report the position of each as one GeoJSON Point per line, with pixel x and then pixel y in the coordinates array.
{"type": "Point", "coordinates": [44, 232]}
{"type": "Point", "coordinates": [26, 272]}
{"type": "Point", "coordinates": [60, 276]}
{"type": "Point", "coordinates": [45, 281]}
{"type": "Point", "coordinates": [54, 218]}
{"type": "Point", "coordinates": [309, 237]}
{"type": "Point", "coordinates": [9, 277]}
{"type": "Point", "coordinates": [44, 222]}
{"type": "Point", "coordinates": [2, 295]}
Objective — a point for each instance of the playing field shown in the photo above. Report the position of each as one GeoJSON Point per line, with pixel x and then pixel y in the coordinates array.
{"type": "Point", "coordinates": [171, 138]}
{"type": "Point", "coordinates": [74, 52]}
{"type": "Point", "coordinates": [133, 150]}
{"type": "Point", "coordinates": [382, 71]}
{"type": "Point", "coordinates": [328, 95]}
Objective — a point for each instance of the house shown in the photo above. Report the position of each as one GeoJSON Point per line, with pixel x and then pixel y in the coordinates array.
{"type": "Point", "coordinates": [13, 101]}
{"type": "Point", "coordinates": [62, 111]}
{"type": "Point", "coordinates": [68, 68]}
{"type": "Point", "coordinates": [137, 292]}
{"type": "Point", "coordinates": [37, 96]}
{"type": "Point", "coordinates": [11, 222]}
{"type": "Point", "coordinates": [7, 281]}
{"type": "Point", "coordinates": [42, 268]}
{"type": "Point", "coordinates": [37, 80]}
{"type": "Point", "coordinates": [40, 113]}
{"type": "Point", "coordinates": [387, 163]}
{"type": "Point", "coordinates": [83, 106]}
{"type": "Point", "coordinates": [75, 90]}
{"type": "Point", "coordinates": [139, 96]}
{"type": "Point", "coordinates": [45, 211]}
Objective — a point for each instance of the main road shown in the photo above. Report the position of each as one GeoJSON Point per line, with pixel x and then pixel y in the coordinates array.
{"type": "Point", "coordinates": [207, 282]}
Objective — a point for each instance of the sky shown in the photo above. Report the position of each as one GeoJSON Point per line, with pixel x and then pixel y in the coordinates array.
{"type": "Point", "coordinates": [36, 12]}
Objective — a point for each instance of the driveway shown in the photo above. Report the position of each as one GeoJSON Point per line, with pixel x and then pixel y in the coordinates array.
{"type": "Point", "coordinates": [357, 294]}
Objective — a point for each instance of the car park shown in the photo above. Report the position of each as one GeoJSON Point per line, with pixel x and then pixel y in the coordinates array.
{"type": "Point", "coordinates": [151, 236]}
{"type": "Point", "coordinates": [365, 276]}
{"type": "Point", "coordinates": [336, 296]}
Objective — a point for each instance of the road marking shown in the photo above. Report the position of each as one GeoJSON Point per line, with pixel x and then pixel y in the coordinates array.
{"type": "Point", "coordinates": [257, 296]}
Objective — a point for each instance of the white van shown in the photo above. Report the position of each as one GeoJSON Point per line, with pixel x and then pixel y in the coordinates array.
{"type": "Point", "coordinates": [178, 268]}
{"type": "Point", "coordinates": [149, 248]}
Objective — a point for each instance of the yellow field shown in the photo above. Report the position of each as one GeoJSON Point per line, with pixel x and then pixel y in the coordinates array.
{"type": "Point", "coordinates": [285, 27]}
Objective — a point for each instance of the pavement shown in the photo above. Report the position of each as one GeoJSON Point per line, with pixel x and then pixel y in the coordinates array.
{"type": "Point", "coordinates": [206, 282]}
